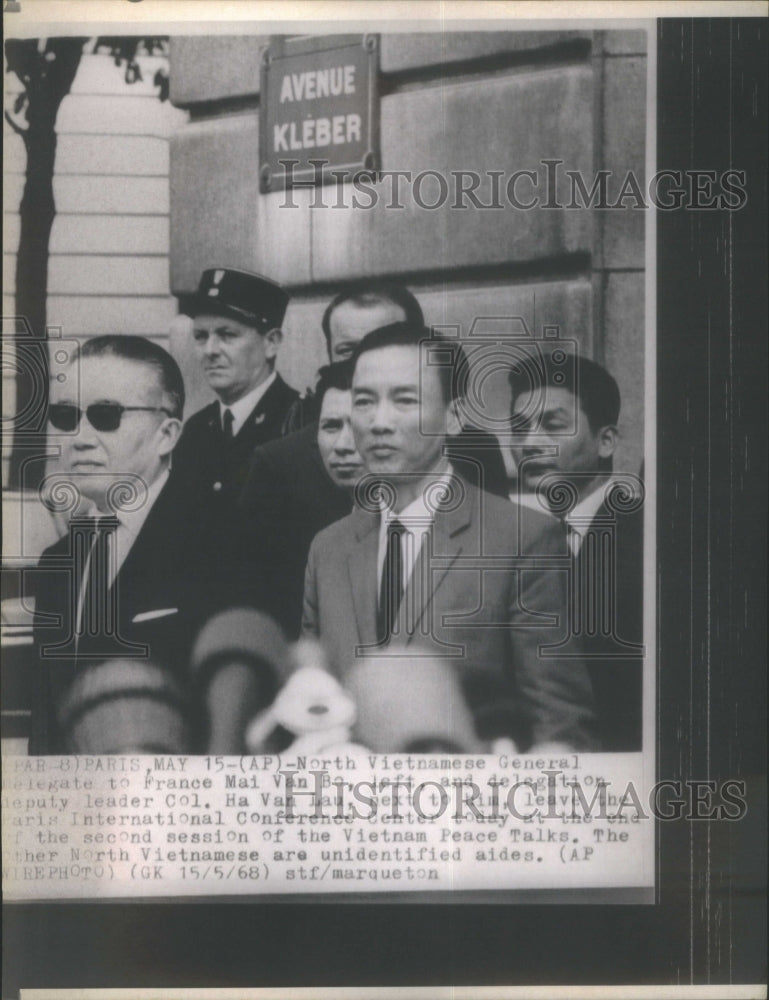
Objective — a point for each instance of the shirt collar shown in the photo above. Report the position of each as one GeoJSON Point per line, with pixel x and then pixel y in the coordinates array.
{"type": "Point", "coordinates": [530, 500]}
{"type": "Point", "coordinates": [133, 520]}
{"type": "Point", "coordinates": [418, 510]}
{"type": "Point", "coordinates": [582, 514]}
{"type": "Point", "coordinates": [242, 408]}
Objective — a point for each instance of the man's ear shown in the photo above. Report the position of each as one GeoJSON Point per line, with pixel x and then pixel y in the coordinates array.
{"type": "Point", "coordinates": [607, 441]}
{"type": "Point", "coordinates": [272, 341]}
{"type": "Point", "coordinates": [454, 422]}
{"type": "Point", "coordinates": [169, 431]}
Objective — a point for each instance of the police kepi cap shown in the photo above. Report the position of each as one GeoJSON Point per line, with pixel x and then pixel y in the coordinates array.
{"type": "Point", "coordinates": [248, 297]}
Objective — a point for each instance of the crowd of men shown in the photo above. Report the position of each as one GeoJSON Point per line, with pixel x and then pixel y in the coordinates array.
{"type": "Point", "coordinates": [368, 517]}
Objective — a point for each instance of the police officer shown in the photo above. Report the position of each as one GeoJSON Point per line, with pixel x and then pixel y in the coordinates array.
{"type": "Point", "coordinates": [237, 333]}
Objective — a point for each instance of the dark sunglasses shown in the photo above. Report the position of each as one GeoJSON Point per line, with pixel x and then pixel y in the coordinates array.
{"type": "Point", "coordinates": [101, 416]}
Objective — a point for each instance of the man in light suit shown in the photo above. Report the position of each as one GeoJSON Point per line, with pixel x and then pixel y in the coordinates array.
{"type": "Point", "coordinates": [133, 577]}
{"type": "Point", "coordinates": [431, 563]}
{"type": "Point", "coordinates": [237, 335]}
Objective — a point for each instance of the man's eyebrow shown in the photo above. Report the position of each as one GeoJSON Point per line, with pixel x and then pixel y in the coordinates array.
{"type": "Point", "coordinates": [556, 411]}
{"type": "Point", "coordinates": [221, 328]}
{"type": "Point", "coordinates": [538, 415]}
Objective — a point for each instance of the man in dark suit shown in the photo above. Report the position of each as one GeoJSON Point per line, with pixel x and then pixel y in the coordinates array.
{"type": "Point", "coordinates": [431, 564]}
{"type": "Point", "coordinates": [132, 579]}
{"type": "Point", "coordinates": [292, 494]}
{"type": "Point", "coordinates": [565, 411]}
{"type": "Point", "coordinates": [237, 320]}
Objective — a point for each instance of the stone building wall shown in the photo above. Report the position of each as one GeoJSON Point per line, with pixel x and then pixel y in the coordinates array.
{"type": "Point", "coordinates": [483, 102]}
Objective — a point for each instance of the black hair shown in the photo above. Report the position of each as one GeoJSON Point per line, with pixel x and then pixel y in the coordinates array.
{"type": "Point", "coordinates": [594, 388]}
{"type": "Point", "coordinates": [134, 348]}
{"type": "Point", "coordinates": [336, 376]}
{"type": "Point", "coordinates": [373, 294]}
{"type": "Point", "coordinates": [444, 354]}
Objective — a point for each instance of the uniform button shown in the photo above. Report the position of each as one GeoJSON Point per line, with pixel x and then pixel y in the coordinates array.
{"type": "Point", "coordinates": [217, 487]}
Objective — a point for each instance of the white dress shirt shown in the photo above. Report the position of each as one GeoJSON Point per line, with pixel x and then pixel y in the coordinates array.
{"type": "Point", "coordinates": [130, 523]}
{"type": "Point", "coordinates": [416, 519]}
{"type": "Point", "coordinates": [242, 408]}
{"type": "Point", "coordinates": [579, 518]}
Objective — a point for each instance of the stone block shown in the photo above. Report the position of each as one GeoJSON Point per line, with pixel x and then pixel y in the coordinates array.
{"type": "Point", "coordinates": [494, 321]}
{"type": "Point", "coordinates": [435, 48]}
{"type": "Point", "coordinates": [624, 354]}
{"type": "Point", "coordinates": [94, 314]}
{"type": "Point", "coordinates": [624, 151]}
{"type": "Point", "coordinates": [218, 215]}
{"type": "Point", "coordinates": [506, 124]}
{"type": "Point", "coordinates": [303, 350]}
{"type": "Point", "coordinates": [626, 42]}
{"type": "Point", "coordinates": [205, 68]}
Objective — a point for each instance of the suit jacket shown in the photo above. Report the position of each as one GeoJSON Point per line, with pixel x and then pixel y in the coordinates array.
{"type": "Point", "coordinates": [209, 467]}
{"type": "Point", "coordinates": [614, 657]}
{"type": "Point", "coordinates": [487, 610]}
{"type": "Point", "coordinates": [287, 498]}
{"type": "Point", "coordinates": [167, 581]}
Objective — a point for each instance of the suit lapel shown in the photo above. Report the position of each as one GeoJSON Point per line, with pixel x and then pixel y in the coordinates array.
{"type": "Point", "coordinates": [444, 542]}
{"type": "Point", "coordinates": [265, 420]}
{"type": "Point", "coordinates": [361, 565]}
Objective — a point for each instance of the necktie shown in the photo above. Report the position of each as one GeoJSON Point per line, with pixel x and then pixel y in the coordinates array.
{"type": "Point", "coordinates": [391, 584]}
{"type": "Point", "coordinates": [97, 615]}
{"type": "Point", "coordinates": [227, 421]}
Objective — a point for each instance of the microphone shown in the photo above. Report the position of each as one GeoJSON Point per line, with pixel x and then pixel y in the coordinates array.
{"type": "Point", "coordinates": [124, 706]}
{"type": "Point", "coordinates": [407, 703]}
{"type": "Point", "coordinates": [239, 661]}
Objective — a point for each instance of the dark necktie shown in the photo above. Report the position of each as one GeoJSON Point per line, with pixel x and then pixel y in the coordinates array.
{"type": "Point", "coordinates": [391, 584]}
{"type": "Point", "coordinates": [227, 421]}
{"type": "Point", "coordinates": [97, 615]}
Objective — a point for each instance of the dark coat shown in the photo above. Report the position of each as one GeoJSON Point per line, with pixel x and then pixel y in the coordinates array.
{"type": "Point", "coordinates": [287, 498]}
{"type": "Point", "coordinates": [168, 571]}
{"type": "Point", "coordinates": [215, 469]}
{"type": "Point", "coordinates": [614, 659]}
{"type": "Point", "coordinates": [491, 616]}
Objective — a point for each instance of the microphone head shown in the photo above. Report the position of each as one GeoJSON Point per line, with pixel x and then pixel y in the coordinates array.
{"type": "Point", "coordinates": [241, 635]}
{"type": "Point", "coordinates": [407, 703]}
{"type": "Point", "coordinates": [124, 706]}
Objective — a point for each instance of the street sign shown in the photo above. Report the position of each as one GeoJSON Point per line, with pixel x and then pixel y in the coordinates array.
{"type": "Point", "coordinates": [319, 117]}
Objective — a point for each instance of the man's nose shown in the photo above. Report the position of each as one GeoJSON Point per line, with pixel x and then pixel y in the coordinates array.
{"type": "Point", "coordinates": [211, 346]}
{"type": "Point", "coordinates": [381, 417]}
{"type": "Point", "coordinates": [85, 436]}
{"type": "Point", "coordinates": [530, 440]}
{"type": "Point", "coordinates": [345, 443]}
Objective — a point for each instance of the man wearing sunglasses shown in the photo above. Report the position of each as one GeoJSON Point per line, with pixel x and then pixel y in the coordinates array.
{"type": "Point", "coordinates": [131, 579]}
